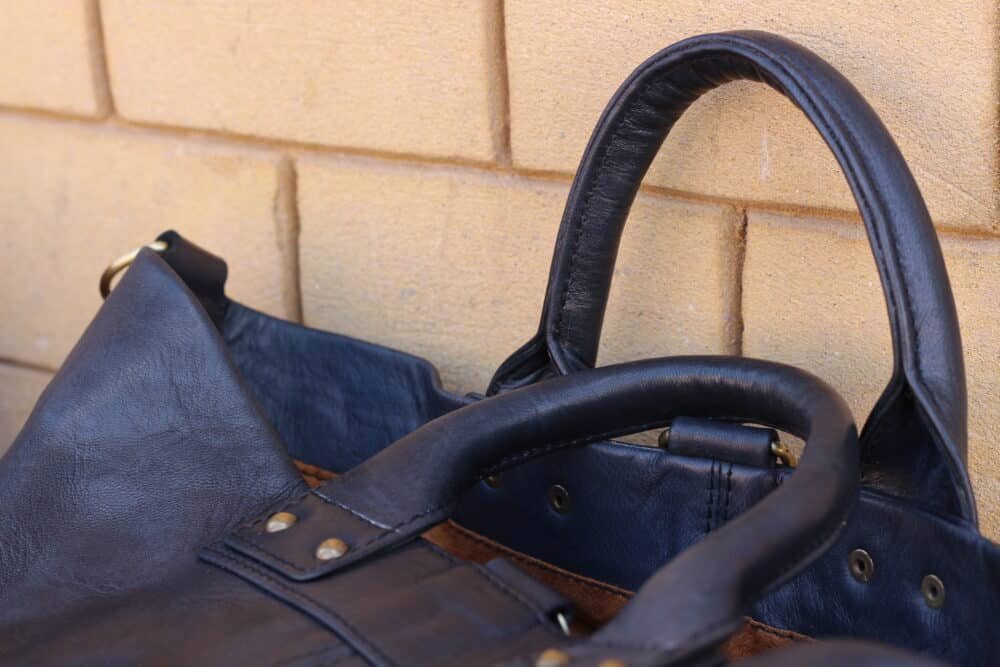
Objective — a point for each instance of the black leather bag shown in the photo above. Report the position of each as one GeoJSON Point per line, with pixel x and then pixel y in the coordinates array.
{"type": "Point", "coordinates": [911, 567]}
{"type": "Point", "coordinates": [154, 518]}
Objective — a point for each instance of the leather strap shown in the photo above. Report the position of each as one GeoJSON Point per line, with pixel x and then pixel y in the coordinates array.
{"type": "Point", "coordinates": [926, 463]}
{"type": "Point", "coordinates": [203, 273]}
{"type": "Point", "coordinates": [413, 484]}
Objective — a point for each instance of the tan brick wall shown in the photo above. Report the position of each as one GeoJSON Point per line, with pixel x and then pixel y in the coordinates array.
{"type": "Point", "coordinates": [396, 171]}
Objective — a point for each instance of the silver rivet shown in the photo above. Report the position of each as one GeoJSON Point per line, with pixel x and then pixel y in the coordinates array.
{"type": "Point", "coordinates": [552, 657]}
{"type": "Point", "coordinates": [280, 521]}
{"type": "Point", "coordinates": [331, 549]}
{"type": "Point", "coordinates": [559, 498]}
{"type": "Point", "coordinates": [862, 566]}
{"type": "Point", "coordinates": [933, 590]}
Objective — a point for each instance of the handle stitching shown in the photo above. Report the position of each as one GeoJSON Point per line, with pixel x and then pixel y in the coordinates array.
{"type": "Point", "coordinates": [811, 100]}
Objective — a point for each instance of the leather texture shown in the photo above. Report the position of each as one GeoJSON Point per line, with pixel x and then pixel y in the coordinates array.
{"type": "Point", "coordinates": [911, 517]}
{"type": "Point", "coordinates": [927, 387]}
{"type": "Point", "coordinates": [733, 443]}
{"type": "Point", "coordinates": [147, 449]}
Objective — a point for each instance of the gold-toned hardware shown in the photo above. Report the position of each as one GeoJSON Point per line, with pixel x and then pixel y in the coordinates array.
{"type": "Point", "coordinates": [552, 657]}
{"type": "Point", "coordinates": [559, 498]}
{"type": "Point", "coordinates": [280, 521]}
{"type": "Point", "coordinates": [786, 457]}
{"type": "Point", "coordinates": [611, 662]}
{"type": "Point", "coordinates": [331, 549]}
{"type": "Point", "coordinates": [933, 591]}
{"type": "Point", "coordinates": [494, 481]}
{"type": "Point", "coordinates": [123, 262]}
{"type": "Point", "coordinates": [862, 565]}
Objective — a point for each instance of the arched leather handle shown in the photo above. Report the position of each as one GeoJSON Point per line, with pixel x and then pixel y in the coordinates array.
{"type": "Point", "coordinates": [703, 593]}
{"type": "Point", "coordinates": [928, 383]}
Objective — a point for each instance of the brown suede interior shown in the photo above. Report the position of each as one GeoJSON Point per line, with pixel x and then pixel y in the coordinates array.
{"type": "Point", "coordinates": [594, 602]}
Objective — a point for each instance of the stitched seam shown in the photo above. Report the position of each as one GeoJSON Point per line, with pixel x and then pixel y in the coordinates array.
{"type": "Point", "coordinates": [729, 493]}
{"type": "Point", "coordinates": [521, 456]}
{"type": "Point", "coordinates": [541, 565]}
{"type": "Point", "coordinates": [350, 510]}
{"type": "Point", "coordinates": [390, 530]}
{"type": "Point", "coordinates": [585, 209]}
{"type": "Point", "coordinates": [357, 640]}
{"type": "Point", "coordinates": [811, 99]}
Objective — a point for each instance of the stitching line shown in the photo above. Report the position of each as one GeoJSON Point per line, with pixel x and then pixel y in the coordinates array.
{"type": "Point", "coordinates": [811, 101]}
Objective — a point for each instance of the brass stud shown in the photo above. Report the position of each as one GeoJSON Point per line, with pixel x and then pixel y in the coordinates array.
{"type": "Point", "coordinates": [280, 521]}
{"type": "Point", "coordinates": [933, 591]}
{"type": "Point", "coordinates": [331, 549]}
{"type": "Point", "coordinates": [552, 657]}
{"type": "Point", "coordinates": [862, 566]}
{"type": "Point", "coordinates": [611, 662]}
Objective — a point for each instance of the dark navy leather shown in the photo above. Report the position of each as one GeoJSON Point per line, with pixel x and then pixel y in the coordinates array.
{"type": "Point", "coordinates": [927, 388]}
{"type": "Point", "coordinates": [339, 400]}
{"type": "Point", "coordinates": [911, 528]}
{"type": "Point", "coordinates": [204, 273]}
{"type": "Point", "coordinates": [686, 608]}
{"type": "Point", "coordinates": [146, 449]}
{"type": "Point", "coordinates": [712, 439]}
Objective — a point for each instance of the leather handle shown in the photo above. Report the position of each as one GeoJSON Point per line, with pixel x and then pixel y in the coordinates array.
{"type": "Point", "coordinates": [928, 381]}
{"type": "Point", "coordinates": [702, 592]}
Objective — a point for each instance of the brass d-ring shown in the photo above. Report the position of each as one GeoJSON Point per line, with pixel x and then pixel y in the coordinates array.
{"type": "Point", "coordinates": [123, 262]}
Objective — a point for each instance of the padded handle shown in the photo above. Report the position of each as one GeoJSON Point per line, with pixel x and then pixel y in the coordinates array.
{"type": "Point", "coordinates": [926, 463]}
{"type": "Point", "coordinates": [415, 482]}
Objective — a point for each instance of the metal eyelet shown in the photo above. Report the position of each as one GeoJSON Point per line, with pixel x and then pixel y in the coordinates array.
{"type": "Point", "coordinates": [932, 589]}
{"type": "Point", "coordinates": [559, 498]}
{"type": "Point", "coordinates": [862, 565]}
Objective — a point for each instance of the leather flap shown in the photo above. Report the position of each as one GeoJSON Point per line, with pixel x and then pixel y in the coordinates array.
{"type": "Point", "coordinates": [295, 552]}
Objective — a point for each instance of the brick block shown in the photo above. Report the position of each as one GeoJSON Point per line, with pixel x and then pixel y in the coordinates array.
{"type": "Point", "coordinates": [451, 265]}
{"type": "Point", "coordinates": [74, 197]}
{"type": "Point", "coordinates": [931, 76]}
{"type": "Point", "coordinates": [974, 268]}
{"type": "Point", "coordinates": [19, 389]}
{"type": "Point", "coordinates": [418, 78]}
{"type": "Point", "coordinates": [987, 491]}
{"type": "Point", "coordinates": [48, 56]}
{"type": "Point", "coordinates": [812, 298]}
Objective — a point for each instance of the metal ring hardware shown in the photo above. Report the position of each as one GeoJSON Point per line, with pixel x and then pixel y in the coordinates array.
{"type": "Point", "coordinates": [785, 456]}
{"type": "Point", "coordinates": [123, 262]}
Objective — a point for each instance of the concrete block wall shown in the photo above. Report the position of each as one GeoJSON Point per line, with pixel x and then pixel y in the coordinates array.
{"type": "Point", "coordinates": [396, 171]}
